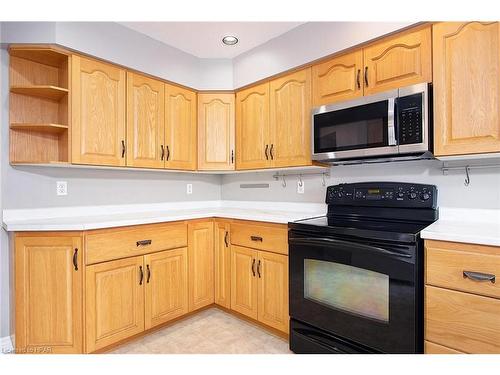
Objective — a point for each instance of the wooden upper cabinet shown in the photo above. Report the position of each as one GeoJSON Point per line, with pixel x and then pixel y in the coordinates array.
{"type": "Point", "coordinates": [222, 264]}
{"type": "Point", "coordinates": [466, 88]}
{"type": "Point", "coordinates": [98, 113]}
{"type": "Point", "coordinates": [398, 61]}
{"type": "Point", "coordinates": [252, 128]}
{"type": "Point", "coordinates": [49, 294]}
{"type": "Point", "coordinates": [201, 263]}
{"type": "Point", "coordinates": [340, 78]}
{"type": "Point", "coordinates": [272, 271]}
{"type": "Point", "coordinates": [216, 132]}
{"type": "Point", "coordinates": [145, 121]}
{"type": "Point", "coordinates": [166, 291]}
{"type": "Point", "coordinates": [114, 301]}
{"type": "Point", "coordinates": [291, 120]}
{"type": "Point", "coordinates": [180, 128]}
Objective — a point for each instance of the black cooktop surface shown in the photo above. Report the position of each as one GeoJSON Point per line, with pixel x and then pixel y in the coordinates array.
{"type": "Point", "coordinates": [363, 227]}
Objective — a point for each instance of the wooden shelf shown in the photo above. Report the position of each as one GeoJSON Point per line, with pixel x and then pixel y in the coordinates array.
{"type": "Point", "coordinates": [46, 56]}
{"type": "Point", "coordinates": [47, 128]}
{"type": "Point", "coordinates": [41, 91]}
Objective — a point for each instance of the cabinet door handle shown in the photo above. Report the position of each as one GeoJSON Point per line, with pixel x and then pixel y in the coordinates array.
{"type": "Point", "coordinates": [258, 268]}
{"type": "Point", "coordinates": [256, 238]}
{"type": "Point", "coordinates": [144, 243]}
{"type": "Point", "coordinates": [226, 242]}
{"type": "Point", "coordinates": [149, 273]}
{"type": "Point", "coordinates": [358, 81]}
{"type": "Point", "coordinates": [123, 149]}
{"type": "Point", "coordinates": [479, 276]}
{"type": "Point", "coordinates": [265, 152]}
{"type": "Point", "coordinates": [141, 275]}
{"type": "Point", "coordinates": [75, 259]}
{"type": "Point", "coordinates": [253, 267]}
{"type": "Point", "coordinates": [232, 156]}
{"type": "Point", "coordinates": [168, 153]}
{"type": "Point", "coordinates": [162, 152]}
{"type": "Point", "coordinates": [271, 151]}
{"type": "Point", "coordinates": [366, 76]}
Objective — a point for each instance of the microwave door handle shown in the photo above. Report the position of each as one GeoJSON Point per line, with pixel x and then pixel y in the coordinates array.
{"type": "Point", "coordinates": [323, 240]}
{"type": "Point", "coordinates": [391, 123]}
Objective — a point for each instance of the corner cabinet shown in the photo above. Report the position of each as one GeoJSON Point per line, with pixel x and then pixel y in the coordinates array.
{"type": "Point", "coordinates": [201, 263]}
{"type": "Point", "coordinates": [98, 113]}
{"type": "Point", "coordinates": [216, 131]}
{"type": "Point", "coordinates": [466, 88]}
{"type": "Point", "coordinates": [49, 293]}
{"type": "Point", "coordinates": [145, 121]}
{"type": "Point", "coordinates": [398, 61]}
{"type": "Point", "coordinates": [180, 128]}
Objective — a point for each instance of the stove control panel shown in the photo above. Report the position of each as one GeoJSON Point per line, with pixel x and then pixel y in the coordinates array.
{"type": "Point", "coordinates": [383, 194]}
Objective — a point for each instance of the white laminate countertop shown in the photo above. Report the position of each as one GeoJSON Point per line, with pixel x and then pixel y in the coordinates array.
{"type": "Point", "coordinates": [96, 217]}
{"type": "Point", "coordinates": [475, 226]}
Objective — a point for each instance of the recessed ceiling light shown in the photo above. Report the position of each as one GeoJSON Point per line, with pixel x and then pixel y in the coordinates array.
{"type": "Point", "coordinates": [229, 40]}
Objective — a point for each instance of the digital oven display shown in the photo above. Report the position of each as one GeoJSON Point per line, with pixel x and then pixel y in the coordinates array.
{"type": "Point", "coordinates": [373, 194]}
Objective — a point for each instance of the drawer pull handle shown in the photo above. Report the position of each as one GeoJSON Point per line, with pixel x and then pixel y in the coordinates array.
{"type": "Point", "coordinates": [479, 276]}
{"type": "Point", "coordinates": [258, 268]}
{"type": "Point", "coordinates": [143, 243]}
{"type": "Point", "coordinates": [253, 267]}
{"type": "Point", "coordinates": [226, 242]}
{"type": "Point", "coordinates": [141, 275]}
{"type": "Point", "coordinates": [256, 238]}
{"type": "Point", "coordinates": [149, 273]}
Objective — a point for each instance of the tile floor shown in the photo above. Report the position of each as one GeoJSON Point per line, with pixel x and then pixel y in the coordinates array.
{"type": "Point", "coordinates": [212, 331]}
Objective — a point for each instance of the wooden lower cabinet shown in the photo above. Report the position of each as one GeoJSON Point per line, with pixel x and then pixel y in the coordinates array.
{"type": "Point", "coordinates": [259, 286]}
{"type": "Point", "coordinates": [114, 301]}
{"type": "Point", "coordinates": [49, 293]}
{"type": "Point", "coordinates": [244, 293]}
{"type": "Point", "coordinates": [272, 271]}
{"type": "Point", "coordinates": [201, 264]}
{"type": "Point", "coordinates": [222, 244]}
{"type": "Point", "coordinates": [432, 348]}
{"type": "Point", "coordinates": [166, 286]}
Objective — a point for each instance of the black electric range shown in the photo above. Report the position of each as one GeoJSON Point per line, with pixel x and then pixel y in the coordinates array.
{"type": "Point", "coordinates": [356, 274]}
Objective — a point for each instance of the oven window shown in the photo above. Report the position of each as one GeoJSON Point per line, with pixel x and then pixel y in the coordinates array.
{"type": "Point", "coordinates": [351, 289]}
{"type": "Point", "coordinates": [351, 128]}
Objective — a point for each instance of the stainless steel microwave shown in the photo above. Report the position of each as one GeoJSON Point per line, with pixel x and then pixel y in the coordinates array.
{"type": "Point", "coordinates": [379, 127]}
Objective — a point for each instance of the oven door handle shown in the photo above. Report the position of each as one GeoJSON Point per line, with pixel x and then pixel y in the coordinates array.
{"type": "Point", "coordinates": [332, 241]}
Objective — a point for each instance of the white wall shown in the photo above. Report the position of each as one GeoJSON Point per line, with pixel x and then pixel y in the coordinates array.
{"type": "Point", "coordinates": [304, 44]}
{"type": "Point", "coordinates": [483, 191]}
{"type": "Point", "coordinates": [119, 44]}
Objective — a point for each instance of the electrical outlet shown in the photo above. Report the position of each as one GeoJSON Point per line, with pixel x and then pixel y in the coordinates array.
{"type": "Point", "coordinates": [300, 187]}
{"type": "Point", "coordinates": [62, 188]}
{"type": "Point", "coordinates": [189, 189]}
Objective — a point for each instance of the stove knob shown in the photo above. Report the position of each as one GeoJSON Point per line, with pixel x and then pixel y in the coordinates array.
{"type": "Point", "coordinates": [401, 194]}
{"type": "Point", "coordinates": [340, 195]}
{"type": "Point", "coordinates": [412, 195]}
{"type": "Point", "coordinates": [424, 196]}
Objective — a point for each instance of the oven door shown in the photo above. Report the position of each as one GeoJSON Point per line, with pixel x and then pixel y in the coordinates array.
{"type": "Point", "coordinates": [359, 291]}
{"type": "Point", "coordinates": [362, 127]}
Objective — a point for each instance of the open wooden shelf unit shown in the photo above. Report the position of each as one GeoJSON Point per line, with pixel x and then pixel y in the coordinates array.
{"type": "Point", "coordinates": [39, 104]}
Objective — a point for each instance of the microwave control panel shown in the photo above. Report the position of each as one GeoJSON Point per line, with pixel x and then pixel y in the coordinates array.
{"type": "Point", "coordinates": [383, 194]}
{"type": "Point", "coordinates": [409, 119]}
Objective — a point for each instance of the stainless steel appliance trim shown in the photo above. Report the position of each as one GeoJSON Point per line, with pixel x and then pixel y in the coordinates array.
{"type": "Point", "coordinates": [391, 132]}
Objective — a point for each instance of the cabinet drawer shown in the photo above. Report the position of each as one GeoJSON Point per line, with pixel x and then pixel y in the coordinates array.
{"type": "Point", "coordinates": [446, 263]}
{"type": "Point", "coordinates": [109, 244]}
{"type": "Point", "coordinates": [261, 236]}
{"type": "Point", "coordinates": [431, 348]}
{"type": "Point", "coordinates": [462, 321]}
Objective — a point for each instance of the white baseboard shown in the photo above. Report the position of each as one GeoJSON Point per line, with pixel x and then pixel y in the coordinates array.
{"type": "Point", "coordinates": [6, 345]}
